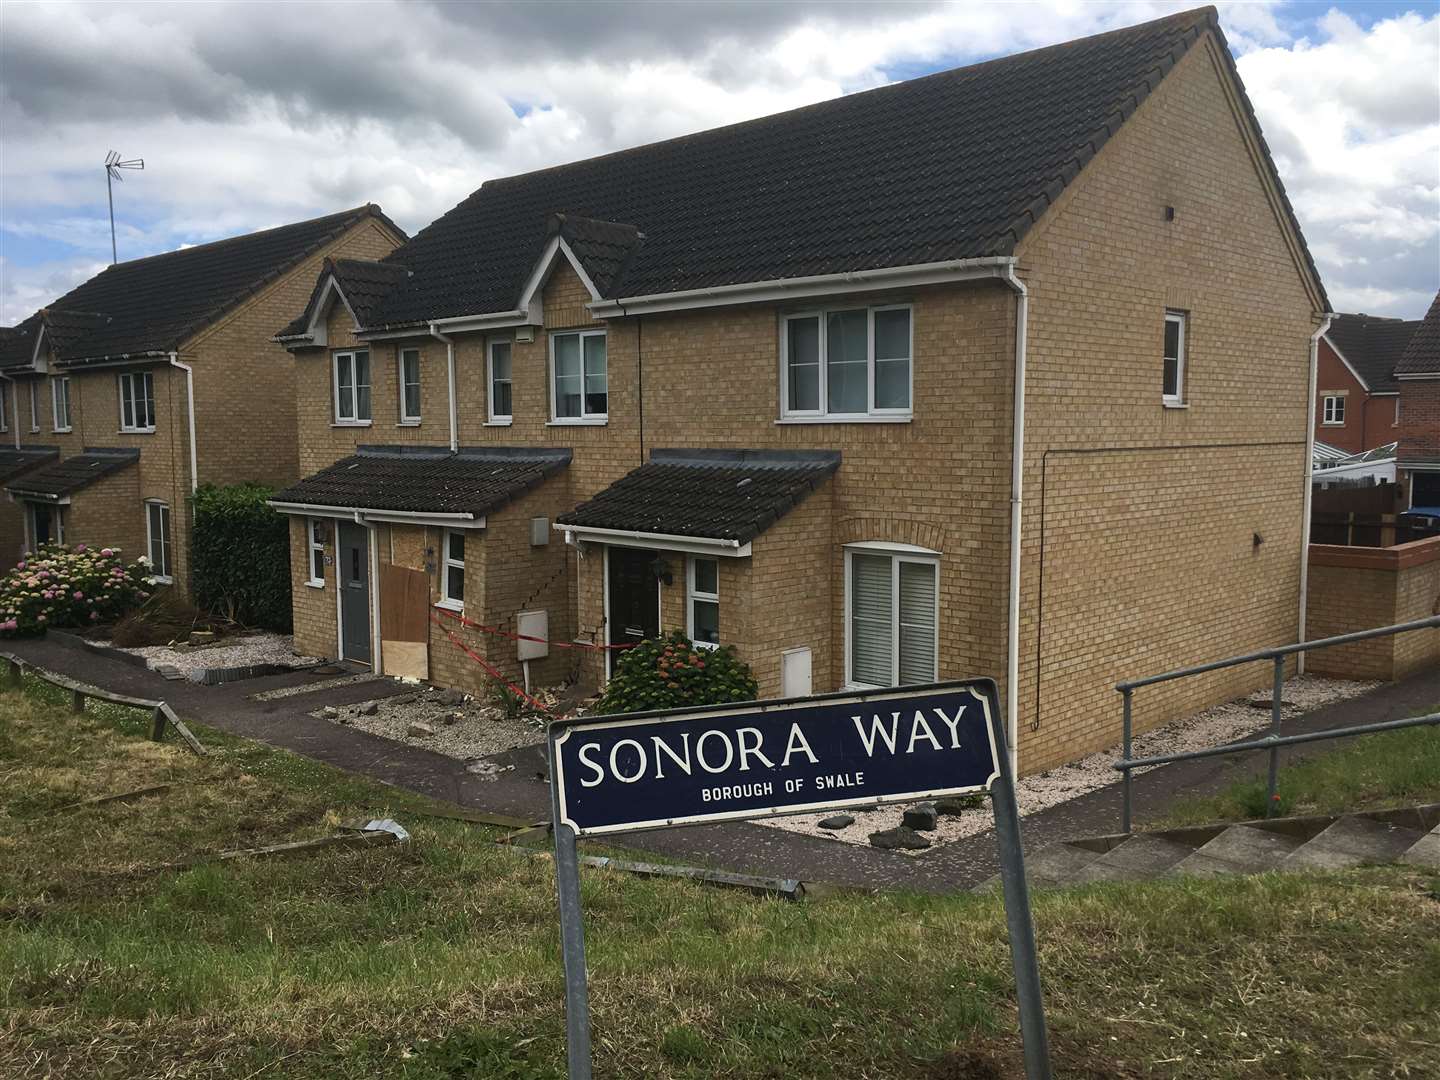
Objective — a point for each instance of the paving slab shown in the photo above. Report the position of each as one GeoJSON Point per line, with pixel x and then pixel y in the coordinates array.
{"type": "Point", "coordinates": [1137, 859]}
{"type": "Point", "coordinates": [1425, 851]}
{"type": "Point", "coordinates": [1351, 841]}
{"type": "Point", "coordinates": [1240, 849]}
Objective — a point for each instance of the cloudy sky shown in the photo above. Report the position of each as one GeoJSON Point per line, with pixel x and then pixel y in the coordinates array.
{"type": "Point", "coordinates": [250, 115]}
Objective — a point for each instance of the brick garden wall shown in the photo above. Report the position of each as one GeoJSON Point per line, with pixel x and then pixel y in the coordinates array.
{"type": "Point", "coordinates": [1355, 589]}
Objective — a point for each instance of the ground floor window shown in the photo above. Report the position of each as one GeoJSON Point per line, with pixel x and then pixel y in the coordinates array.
{"type": "Point", "coordinates": [452, 572]}
{"type": "Point", "coordinates": [157, 528]}
{"type": "Point", "coordinates": [892, 616]}
{"type": "Point", "coordinates": [703, 587]}
{"type": "Point", "coordinates": [315, 538]}
{"type": "Point", "coordinates": [44, 525]}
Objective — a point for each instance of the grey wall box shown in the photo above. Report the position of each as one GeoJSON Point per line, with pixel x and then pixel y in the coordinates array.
{"type": "Point", "coordinates": [539, 532]}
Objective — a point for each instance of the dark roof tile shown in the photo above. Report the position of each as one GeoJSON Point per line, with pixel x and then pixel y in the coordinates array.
{"type": "Point", "coordinates": [73, 473]}
{"type": "Point", "coordinates": [1373, 346]}
{"type": "Point", "coordinates": [428, 480]}
{"type": "Point", "coordinates": [715, 494]}
{"type": "Point", "coordinates": [1422, 351]}
{"type": "Point", "coordinates": [17, 460]}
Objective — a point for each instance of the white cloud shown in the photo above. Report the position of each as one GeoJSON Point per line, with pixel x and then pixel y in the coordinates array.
{"type": "Point", "coordinates": [244, 127]}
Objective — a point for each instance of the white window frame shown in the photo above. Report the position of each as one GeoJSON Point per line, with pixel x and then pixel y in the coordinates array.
{"type": "Point", "coordinates": [314, 547]}
{"type": "Point", "coordinates": [1177, 399]}
{"type": "Point", "coordinates": [693, 593]}
{"type": "Point", "coordinates": [898, 553]}
{"type": "Point", "coordinates": [57, 517]}
{"type": "Point", "coordinates": [354, 419]}
{"type": "Point", "coordinates": [585, 417]}
{"type": "Point", "coordinates": [446, 564]}
{"type": "Point", "coordinates": [126, 384]}
{"type": "Point", "coordinates": [4, 406]}
{"type": "Point", "coordinates": [1332, 410]}
{"type": "Point", "coordinates": [34, 407]}
{"type": "Point", "coordinates": [502, 419]}
{"type": "Point", "coordinates": [406, 418]}
{"type": "Point", "coordinates": [60, 389]}
{"type": "Point", "coordinates": [167, 546]}
{"type": "Point", "coordinates": [822, 412]}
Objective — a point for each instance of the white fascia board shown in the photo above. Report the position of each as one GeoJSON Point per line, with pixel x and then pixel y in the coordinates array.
{"type": "Point", "coordinates": [1419, 376]}
{"type": "Point", "coordinates": [317, 331]}
{"type": "Point", "coordinates": [891, 277]}
{"type": "Point", "coordinates": [361, 515]}
{"type": "Point", "coordinates": [699, 545]}
{"type": "Point", "coordinates": [1348, 366]}
{"type": "Point", "coordinates": [459, 324]}
{"type": "Point", "coordinates": [530, 296]}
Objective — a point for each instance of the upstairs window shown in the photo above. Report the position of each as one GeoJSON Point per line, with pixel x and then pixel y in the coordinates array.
{"type": "Point", "coordinates": [157, 527]}
{"type": "Point", "coordinates": [352, 387]}
{"type": "Point", "coordinates": [34, 408]}
{"type": "Point", "coordinates": [704, 614]}
{"type": "Point", "coordinates": [137, 401]}
{"type": "Point", "coordinates": [452, 570]}
{"type": "Point", "coordinates": [5, 407]}
{"type": "Point", "coordinates": [580, 390]}
{"type": "Point", "coordinates": [892, 616]}
{"type": "Point", "coordinates": [847, 363]}
{"type": "Point", "coordinates": [410, 386]}
{"type": "Point", "coordinates": [499, 401]}
{"type": "Point", "coordinates": [60, 402]}
{"type": "Point", "coordinates": [1173, 388]}
{"type": "Point", "coordinates": [1334, 410]}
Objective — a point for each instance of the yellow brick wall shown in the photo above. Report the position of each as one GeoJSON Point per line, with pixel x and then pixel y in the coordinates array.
{"type": "Point", "coordinates": [1141, 518]}
{"type": "Point", "coordinates": [313, 608]}
{"type": "Point", "coordinates": [105, 516]}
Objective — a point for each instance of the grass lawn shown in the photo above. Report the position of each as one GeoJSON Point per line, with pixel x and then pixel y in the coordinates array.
{"type": "Point", "coordinates": [439, 959]}
{"type": "Point", "coordinates": [1374, 772]}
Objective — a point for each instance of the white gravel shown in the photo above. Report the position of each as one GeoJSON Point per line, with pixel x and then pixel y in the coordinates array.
{"type": "Point", "coordinates": [1219, 724]}
{"type": "Point", "coordinates": [225, 653]}
{"type": "Point", "coordinates": [463, 727]}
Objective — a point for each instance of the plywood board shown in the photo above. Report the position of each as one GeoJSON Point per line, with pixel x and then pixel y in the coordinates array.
{"type": "Point", "coordinates": [404, 621]}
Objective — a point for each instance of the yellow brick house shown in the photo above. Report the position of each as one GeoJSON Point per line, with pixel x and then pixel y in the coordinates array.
{"type": "Point", "coordinates": [953, 377]}
{"type": "Point", "coordinates": [154, 376]}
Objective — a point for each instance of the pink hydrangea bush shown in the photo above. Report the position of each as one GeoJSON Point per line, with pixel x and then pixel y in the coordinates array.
{"type": "Point", "coordinates": [79, 586]}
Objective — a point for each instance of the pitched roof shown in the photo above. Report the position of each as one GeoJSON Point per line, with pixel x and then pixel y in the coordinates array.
{"type": "Point", "coordinates": [951, 166]}
{"type": "Point", "coordinates": [1372, 346]}
{"type": "Point", "coordinates": [428, 480]}
{"type": "Point", "coordinates": [363, 282]}
{"type": "Point", "coordinates": [1422, 351]}
{"type": "Point", "coordinates": [75, 472]}
{"type": "Point", "coordinates": [730, 495]}
{"type": "Point", "coordinates": [17, 343]}
{"type": "Point", "coordinates": [16, 460]}
{"type": "Point", "coordinates": [152, 305]}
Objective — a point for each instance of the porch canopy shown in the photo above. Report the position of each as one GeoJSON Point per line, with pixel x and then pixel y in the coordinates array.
{"type": "Point", "coordinates": [715, 501]}
{"type": "Point", "coordinates": [21, 459]}
{"type": "Point", "coordinates": [56, 482]}
{"type": "Point", "coordinates": [423, 484]}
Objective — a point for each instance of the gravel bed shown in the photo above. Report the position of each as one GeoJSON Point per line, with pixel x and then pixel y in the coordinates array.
{"type": "Point", "coordinates": [1216, 725]}
{"type": "Point", "coordinates": [226, 653]}
{"type": "Point", "coordinates": [445, 721]}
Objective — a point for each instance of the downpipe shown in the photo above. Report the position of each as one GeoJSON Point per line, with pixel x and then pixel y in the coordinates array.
{"type": "Point", "coordinates": [449, 384]}
{"type": "Point", "coordinates": [1017, 484]}
{"type": "Point", "coordinates": [189, 417]}
{"type": "Point", "coordinates": [1309, 481]}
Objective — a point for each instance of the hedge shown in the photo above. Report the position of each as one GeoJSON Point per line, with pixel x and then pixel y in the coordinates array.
{"type": "Point", "coordinates": [241, 556]}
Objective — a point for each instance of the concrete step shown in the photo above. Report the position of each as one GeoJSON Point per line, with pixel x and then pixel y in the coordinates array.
{"type": "Point", "coordinates": [1050, 867]}
{"type": "Point", "coordinates": [1139, 858]}
{"type": "Point", "coordinates": [1425, 851]}
{"type": "Point", "coordinates": [1240, 849]}
{"type": "Point", "coordinates": [1351, 841]}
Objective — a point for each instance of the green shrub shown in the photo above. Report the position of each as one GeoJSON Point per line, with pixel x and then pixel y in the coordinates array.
{"type": "Point", "coordinates": [79, 586]}
{"type": "Point", "coordinates": [241, 556]}
{"type": "Point", "coordinates": [672, 673]}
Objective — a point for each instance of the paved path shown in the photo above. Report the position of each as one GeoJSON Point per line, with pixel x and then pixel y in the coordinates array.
{"type": "Point", "coordinates": [757, 849]}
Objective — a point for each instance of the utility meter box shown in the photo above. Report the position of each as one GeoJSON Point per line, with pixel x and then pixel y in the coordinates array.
{"type": "Point", "coordinates": [533, 624]}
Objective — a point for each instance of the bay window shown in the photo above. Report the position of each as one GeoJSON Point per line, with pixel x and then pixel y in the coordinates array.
{"type": "Point", "coordinates": [847, 363]}
{"type": "Point", "coordinates": [892, 615]}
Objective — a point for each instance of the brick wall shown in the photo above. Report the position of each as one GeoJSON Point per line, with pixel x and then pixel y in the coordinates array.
{"type": "Point", "coordinates": [1140, 519]}
{"type": "Point", "coordinates": [313, 609]}
{"type": "Point", "coordinates": [1355, 589]}
{"type": "Point", "coordinates": [105, 516]}
{"type": "Point", "coordinates": [1419, 428]}
{"type": "Point", "coordinates": [1369, 420]}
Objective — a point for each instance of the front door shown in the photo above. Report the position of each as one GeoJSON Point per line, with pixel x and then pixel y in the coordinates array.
{"type": "Point", "coordinates": [353, 573]}
{"type": "Point", "coordinates": [634, 595]}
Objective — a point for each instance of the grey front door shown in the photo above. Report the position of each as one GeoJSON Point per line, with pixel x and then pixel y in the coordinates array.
{"type": "Point", "coordinates": [353, 573]}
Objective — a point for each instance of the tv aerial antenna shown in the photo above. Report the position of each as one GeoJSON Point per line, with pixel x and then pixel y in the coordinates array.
{"type": "Point", "coordinates": [113, 165]}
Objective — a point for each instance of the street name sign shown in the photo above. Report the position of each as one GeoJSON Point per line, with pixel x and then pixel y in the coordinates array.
{"type": "Point", "coordinates": [635, 771]}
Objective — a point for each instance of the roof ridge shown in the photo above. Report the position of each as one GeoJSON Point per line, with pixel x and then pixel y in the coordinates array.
{"type": "Point", "coordinates": [1209, 12]}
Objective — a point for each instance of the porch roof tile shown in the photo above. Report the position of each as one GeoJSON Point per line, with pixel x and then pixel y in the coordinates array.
{"type": "Point", "coordinates": [78, 471]}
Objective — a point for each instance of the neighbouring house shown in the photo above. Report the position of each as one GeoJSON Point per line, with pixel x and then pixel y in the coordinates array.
{"type": "Point", "coordinates": [1418, 374]}
{"type": "Point", "coordinates": [154, 376]}
{"type": "Point", "coordinates": [1357, 399]}
{"type": "Point", "coordinates": [1001, 371]}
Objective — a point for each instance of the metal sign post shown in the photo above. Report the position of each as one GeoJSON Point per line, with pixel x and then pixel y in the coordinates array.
{"type": "Point", "coordinates": [805, 755]}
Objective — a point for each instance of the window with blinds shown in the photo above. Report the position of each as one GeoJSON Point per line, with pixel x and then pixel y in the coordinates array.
{"type": "Point", "coordinates": [892, 604]}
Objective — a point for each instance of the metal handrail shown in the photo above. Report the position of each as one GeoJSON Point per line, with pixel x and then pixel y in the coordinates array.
{"type": "Point", "coordinates": [1272, 742]}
